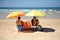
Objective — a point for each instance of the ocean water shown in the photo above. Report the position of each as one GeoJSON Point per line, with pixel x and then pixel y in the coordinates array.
{"type": "Point", "coordinates": [49, 13]}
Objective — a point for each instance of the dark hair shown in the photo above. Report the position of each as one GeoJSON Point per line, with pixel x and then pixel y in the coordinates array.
{"type": "Point", "coordinates": [19, 17]}
{"type": "Point", "coordinates": [34, 17]}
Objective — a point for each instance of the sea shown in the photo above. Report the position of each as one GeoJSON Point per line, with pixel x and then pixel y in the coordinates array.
{"type": "Point", "coordinates": [50, 13]}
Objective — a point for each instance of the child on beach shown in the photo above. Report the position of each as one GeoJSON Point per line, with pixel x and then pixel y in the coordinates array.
{"type": "Point", "coordinates": [35, 24]}
{"type": "Point", "coordinates": [19, 23]}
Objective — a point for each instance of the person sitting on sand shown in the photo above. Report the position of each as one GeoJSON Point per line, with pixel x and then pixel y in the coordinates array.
{"type": "Point", "coordinates": [19, 23]}
{"type": "Point", "coordinates": [34, 22]}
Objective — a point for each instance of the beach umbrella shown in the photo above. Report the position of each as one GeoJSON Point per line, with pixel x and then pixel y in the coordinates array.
{"type": "Point", "coordinates": [35, 13]}
{"type": "Point", "coordinates": [15, 14]}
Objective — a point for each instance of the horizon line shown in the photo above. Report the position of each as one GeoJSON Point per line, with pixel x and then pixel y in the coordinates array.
{"type": "Point", "coordinates": [29, 7]}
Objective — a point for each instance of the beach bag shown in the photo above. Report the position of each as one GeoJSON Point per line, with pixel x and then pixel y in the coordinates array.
{"type": "Point", "coordinates": [27, 25]}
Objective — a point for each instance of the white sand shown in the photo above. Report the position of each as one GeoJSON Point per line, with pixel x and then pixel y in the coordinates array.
{"type": "Point", "coordinates": [8, 31]}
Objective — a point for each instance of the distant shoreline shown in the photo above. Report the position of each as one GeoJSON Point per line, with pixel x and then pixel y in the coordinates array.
{"type": "Point", "coordinates": [30, 8]}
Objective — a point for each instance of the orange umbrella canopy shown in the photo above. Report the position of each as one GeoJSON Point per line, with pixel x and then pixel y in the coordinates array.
{"type": "Point", "coordinates": [15, 14]}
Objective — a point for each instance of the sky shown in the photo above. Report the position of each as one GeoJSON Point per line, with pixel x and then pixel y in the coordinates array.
{"type": "Point", "coordinates": [29, 3]}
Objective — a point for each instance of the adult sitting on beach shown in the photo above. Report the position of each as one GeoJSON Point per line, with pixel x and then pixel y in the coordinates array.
{"type": "Point", "coordinates": [19, 23]}
{"type": "Point", "coordinates": [35, 23]}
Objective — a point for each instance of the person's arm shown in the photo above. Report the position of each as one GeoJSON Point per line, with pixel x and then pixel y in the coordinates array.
{"type": "Point", "coordinates": [31, 21]}
{"type": "Point", "coordinates": [37, 21]}
{"type": "Point", "coordinates": [22, 23]}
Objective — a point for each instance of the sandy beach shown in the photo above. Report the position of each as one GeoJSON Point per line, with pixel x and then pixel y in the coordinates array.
{"type": "Point", "coordinates": [8, 30]}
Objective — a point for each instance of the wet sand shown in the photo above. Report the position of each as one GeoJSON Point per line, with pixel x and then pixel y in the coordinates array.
{"type": "Point", "coordinates": [8, 30]}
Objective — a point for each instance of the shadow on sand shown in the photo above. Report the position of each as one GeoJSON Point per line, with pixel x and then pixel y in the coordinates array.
{"type": "Point", "coordinates": [28, 31]}
{"type": "Point", "coordinates": [42, 30]}
{"type": "Point", "coordinates": [47, 30]}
